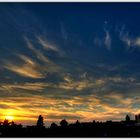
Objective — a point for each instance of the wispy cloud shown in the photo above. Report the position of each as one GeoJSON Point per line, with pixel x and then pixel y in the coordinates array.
{"type": "Point", "coordinates": [71, 84]}
{"type": "Point", "coordinates": [47, 46]}
{"type": "Point", "coordinates": [38, 53]}
{"type": "Point", "coordinates": [36, 86]}
{"type": "Point", "coordinates": [131, 42]}
{"type": "Point", "coordinates": [49, 65]}
{"type": "Point", "coordinates": [137, 41]}
{"type": "Point", "coordinates": [63, 32]}
{"type": "Point", "coordinates": [27, 60]}
{"type": "Point", "coordinates": [25, 70]}
{"type": "Point", "coordinates": [29, 67]}
{"type": "Point", "coordinates": [128, 41]}
{"type": "Point", "coordinates": [107, 40]}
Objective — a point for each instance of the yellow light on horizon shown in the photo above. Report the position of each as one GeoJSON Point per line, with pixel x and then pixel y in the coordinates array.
{"type": "Point", "coordinates": [10, 118]}
{"type": "Point", "coordinates": [8, 115]}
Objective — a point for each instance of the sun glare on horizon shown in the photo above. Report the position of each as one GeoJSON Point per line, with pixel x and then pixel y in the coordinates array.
{"type": "Point", "coordinates": [10, 118]}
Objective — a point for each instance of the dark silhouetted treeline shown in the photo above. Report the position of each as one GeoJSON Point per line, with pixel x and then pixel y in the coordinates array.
{"type": "Point", "coordinates": [127, 128]}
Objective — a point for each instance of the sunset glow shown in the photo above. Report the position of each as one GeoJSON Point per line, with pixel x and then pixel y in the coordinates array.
{"type": "Point", "coordinates": [69, 61]}
{"type": "Point", "coordinates": [10, 118]}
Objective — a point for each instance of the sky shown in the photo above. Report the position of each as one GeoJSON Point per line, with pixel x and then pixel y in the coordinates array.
{"type": "Point", "coordinates": [73, 61]}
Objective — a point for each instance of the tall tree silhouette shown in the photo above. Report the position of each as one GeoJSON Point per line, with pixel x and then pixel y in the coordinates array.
{"type": "Point", "coordinates": [40, 121]}
{"type": "Point", "coordinates": [77, 123]}
{"type": "Point", "coordinates": [127, 118]}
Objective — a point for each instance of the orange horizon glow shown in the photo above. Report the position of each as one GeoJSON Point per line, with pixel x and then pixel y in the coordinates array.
{"type": "Point", "coordinates": [26, 110]}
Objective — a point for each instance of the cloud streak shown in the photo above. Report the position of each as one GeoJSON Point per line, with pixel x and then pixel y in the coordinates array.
{"type": "Point", "coordinates": [107, 40]}
{"type": "Point", "coordinates": [30, 68]}
{"type": "Point", "coordinates": [49, 47]}
{"type": "Point", "coordinates": [128, 40]}
{"type": "Point", "coordinates": [24, 70]}
{"type": "Point", "coordinates": [46, 45]}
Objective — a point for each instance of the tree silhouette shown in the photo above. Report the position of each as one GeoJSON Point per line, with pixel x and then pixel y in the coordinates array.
{"type": "Point", "coordinates": [53, 125]}
{"type": "Point", "coordinates": [13, 123]}
{"type": "Point", "coordinates": [136, 118]}
{"type": "Point", "coordinates": [77, 123]}
{"type": "Point", "coordinates": [40, 121]}
{"type": "Point", "coordinates": [128, 128]}
{"type": "Point", "coordinates": [6, 122]}
{"type": "Point", "coordinates": [64, 123]}
{"type": "Point", "coordinates": [127, 118]}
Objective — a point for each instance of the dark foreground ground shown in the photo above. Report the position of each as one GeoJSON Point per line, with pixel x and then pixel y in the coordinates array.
{"type": "Point", "coordinates": [107, 129]}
